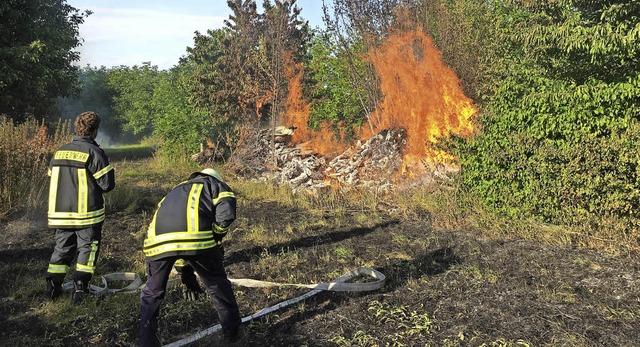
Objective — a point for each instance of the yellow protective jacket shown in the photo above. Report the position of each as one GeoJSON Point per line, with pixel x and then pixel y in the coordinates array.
{"type": "Point", "coordinates": [80, 172]}
{"type": "Point", "coordinates": [194, 216]}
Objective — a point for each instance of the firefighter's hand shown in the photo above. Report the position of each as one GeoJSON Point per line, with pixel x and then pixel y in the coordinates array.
{"type": "Point", "coordinates": [192, 289]}
{"type": "Point", "coordinates": [190, 295]}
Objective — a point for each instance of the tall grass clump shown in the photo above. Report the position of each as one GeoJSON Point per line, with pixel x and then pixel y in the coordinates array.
{"type": "Point", "coordinates": [25, 150]}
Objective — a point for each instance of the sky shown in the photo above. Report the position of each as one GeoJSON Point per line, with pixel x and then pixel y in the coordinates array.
{"type": "Point", "coordinates": [131, 32]}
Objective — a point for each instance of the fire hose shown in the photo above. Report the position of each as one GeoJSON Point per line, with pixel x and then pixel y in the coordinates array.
{"type": "Point", "coordinates": [340, 284]}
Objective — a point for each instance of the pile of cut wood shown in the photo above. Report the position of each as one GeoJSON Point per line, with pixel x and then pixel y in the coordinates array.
{"type": "Point", "coordinates": [374, 164]}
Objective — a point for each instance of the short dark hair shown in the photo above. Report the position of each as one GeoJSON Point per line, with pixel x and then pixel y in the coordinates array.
{"type": "Point", "coordinates": [86, 123]}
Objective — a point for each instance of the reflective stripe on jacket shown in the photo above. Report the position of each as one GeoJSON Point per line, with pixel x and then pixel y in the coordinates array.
{"type": "Point", "coordinates": [194, 216]}
{"type": "Point", "coordinates": [80, 172]}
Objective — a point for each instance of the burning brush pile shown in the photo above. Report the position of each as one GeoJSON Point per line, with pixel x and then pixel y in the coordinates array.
{"type": "Point", "coordinates": [373, 164]}
{"type": "Point", "coordinates": [423, 103]}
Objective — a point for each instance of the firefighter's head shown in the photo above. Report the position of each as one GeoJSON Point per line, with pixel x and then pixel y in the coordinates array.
{"type": "Point", "coordinates": [212, 172]}
{"type": "Point", "coordinates": [87, 124]}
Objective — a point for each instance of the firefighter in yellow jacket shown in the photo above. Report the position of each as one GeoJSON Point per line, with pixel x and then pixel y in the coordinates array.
{"type": "Point", "coordinates": [80, 173]}
{"type": "Point", "coordinates": [189, 224]}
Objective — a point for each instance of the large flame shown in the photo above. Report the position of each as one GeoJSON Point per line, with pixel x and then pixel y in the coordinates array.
{"type": "Point", "coordinates": [421, 95]}
{"type": "Point", "coordinates": [323, 141]}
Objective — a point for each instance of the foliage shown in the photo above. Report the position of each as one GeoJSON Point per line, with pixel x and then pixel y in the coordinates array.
{"type": "Point", "coordinates": [244, 83]}
{"type": "Point", "coordinates": [406, 321]}
{"type": "Point", "coordinates": [158, 103]}
{"type": "Point", "coordinates": [37, 42]}
{"type": "Point", "coordinates": [284, 46]}
{"type": "Point", "coordinates": [238, 73]}
{"type": "Point", "coordinates": [206, 84]}
{"type": "Point", "coordinates": [25, 150]}
{"type": "Point", "coordinates": [359, 26]}
{"type": "Point", "coordinates": [463, 31]}
{"type": "Point", "coordinates": [95, 95]}
{"type": "Point", "coordinates": [257, 49]}
{"type": "Point", "coordinates": [559, 127]}
{"type": "Point", "coordinates": [335, 96]}
{"type": "Point", "coordinates": [133, 103]}
{"type": "Point", "coordinates": [181, 126]}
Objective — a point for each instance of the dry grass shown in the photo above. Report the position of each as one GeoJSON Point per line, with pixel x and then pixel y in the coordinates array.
{"type": "Point", "coordinates": [25, 151]}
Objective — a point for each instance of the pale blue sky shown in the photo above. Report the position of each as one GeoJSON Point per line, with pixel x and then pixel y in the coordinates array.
{"type": "Point", "coordinates": [130, 32]}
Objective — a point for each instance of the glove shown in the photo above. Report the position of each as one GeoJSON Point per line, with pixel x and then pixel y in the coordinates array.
{"type": "Point", "coordinates": [219, 232]}
{"type": "Point", "coordinates": [192, 288]}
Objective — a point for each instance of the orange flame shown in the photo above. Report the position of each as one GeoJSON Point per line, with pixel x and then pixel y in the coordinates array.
{"type": "Point", "coordinates": [421, 95]}
{"type": "Point", "coordinates": [323, 141]}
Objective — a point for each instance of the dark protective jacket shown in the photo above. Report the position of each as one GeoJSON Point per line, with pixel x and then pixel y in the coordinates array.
{"type": "Point", "coordinates": [194, 216]}
{"type": "Point", "coordinates": [80, 172]}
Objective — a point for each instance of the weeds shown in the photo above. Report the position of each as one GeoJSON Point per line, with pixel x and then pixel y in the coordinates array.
{"type": "Point", "coordinates": [405, 320]}
{"type": "Point", "coordinates": [25, 150]}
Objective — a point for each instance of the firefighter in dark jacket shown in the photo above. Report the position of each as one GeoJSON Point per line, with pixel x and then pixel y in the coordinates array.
{"type": "Point", "coordinates": [189, 224]}
{"type": "Point", "coordinates": [80, 173]}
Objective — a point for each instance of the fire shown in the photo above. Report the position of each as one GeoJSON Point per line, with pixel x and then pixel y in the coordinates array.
{"type": "Point", "coordinates": [420, 94]}
{"type": "Point", "coordinates": [323, 141]}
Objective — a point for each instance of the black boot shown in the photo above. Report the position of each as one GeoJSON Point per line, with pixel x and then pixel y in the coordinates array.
{"type": "Point", "coordinates": [80, 291]}
{"type": "Point", "coordinates": [238, 339]}
{"type": "Point", "coordinates": [52, 290]}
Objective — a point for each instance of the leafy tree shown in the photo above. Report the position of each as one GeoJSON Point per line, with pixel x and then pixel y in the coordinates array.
{"type": "Point", "coordinates": [180, 125]}
{"type": "Point", "coordinates": [133, 104]}
{"type": "Point", "coordinates": [285, 44]}
{"type": "Point", "coordinates": [149, 102]}
{"type": "Point", "coordinates": [257, 49]}
{"type": "Point", "coordinates": [244, 79]}
{"type": "Point", "coordinates": [464, 31]}
{"type": "Point", "coordinates": [206, 81]}
{"type": "Point", "coordinates": [335, 96]}
{"type": "Point", "coordinates": [95, 95]}
{"type": "Point", "coordinates": [238, 72]}
{"type": "Point", "coordinates": [359, 26]}
{"type": "Point", "coordinates": [207, 85]}
{"type": "Point", "coordinates": [37, 42]}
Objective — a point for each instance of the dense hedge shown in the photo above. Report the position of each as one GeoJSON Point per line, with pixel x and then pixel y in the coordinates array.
{"type": "Point", "coordinates": [559, 129]}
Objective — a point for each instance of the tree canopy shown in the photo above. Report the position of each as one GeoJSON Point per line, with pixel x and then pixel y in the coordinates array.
{"type": "Point", "coordinates": [37, 56]}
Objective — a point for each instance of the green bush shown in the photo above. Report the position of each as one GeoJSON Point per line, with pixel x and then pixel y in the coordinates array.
{"type": "Point", "coordinates": [559, 128]}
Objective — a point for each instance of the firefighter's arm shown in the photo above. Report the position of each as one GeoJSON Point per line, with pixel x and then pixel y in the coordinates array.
{"type": "Point", "coordinates": [104, 172]}
{"type": "Point", "coordinates": [225, 207]}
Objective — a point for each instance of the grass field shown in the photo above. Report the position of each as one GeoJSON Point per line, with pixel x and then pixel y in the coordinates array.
{"type": "Point", "coordinates": [455, 276]}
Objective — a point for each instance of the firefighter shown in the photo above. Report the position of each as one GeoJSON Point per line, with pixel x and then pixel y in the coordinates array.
{"type": "Point", "coordinates": [80, 173]}
{"type": "Point", "coordinates": [189, 224]}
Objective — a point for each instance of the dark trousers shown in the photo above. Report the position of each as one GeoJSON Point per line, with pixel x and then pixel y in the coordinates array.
{"type": "Point", "coordinates": [85, 243]}
{"type": "Point", "coordinates": [208, 265]}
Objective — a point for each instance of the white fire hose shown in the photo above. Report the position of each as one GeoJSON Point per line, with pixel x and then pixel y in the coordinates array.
{"type": "Point", "coordinates": [340, 284]}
